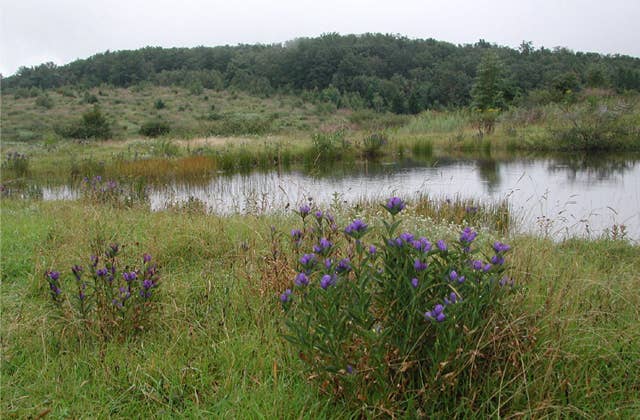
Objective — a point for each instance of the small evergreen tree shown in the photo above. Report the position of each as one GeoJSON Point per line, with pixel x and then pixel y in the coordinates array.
{"type": "Point", "coordinates": [488, 88]}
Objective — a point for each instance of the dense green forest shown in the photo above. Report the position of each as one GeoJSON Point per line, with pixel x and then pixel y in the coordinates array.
{"type": "Point", "coordinates": [383, 72]}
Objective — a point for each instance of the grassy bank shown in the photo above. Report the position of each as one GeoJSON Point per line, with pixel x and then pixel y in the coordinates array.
{"type": "Point", "coordinates": [215, 347]}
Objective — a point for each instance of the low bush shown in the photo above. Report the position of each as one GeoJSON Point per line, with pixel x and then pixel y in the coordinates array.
{"type": "Point", "coordinates": [17, 163]}
{"type": "Point", "coordinates": [107, 299]}
{"type": "Point", "coordinates": [373, 144]}
{"type": "Point", "coordinates": [388, 321]}
{"type": "Point", "coordinates": [155, 128]}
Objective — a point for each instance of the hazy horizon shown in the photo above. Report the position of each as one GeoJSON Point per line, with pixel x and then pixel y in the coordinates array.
{"type": "Point", "coordinates": [34, 32]}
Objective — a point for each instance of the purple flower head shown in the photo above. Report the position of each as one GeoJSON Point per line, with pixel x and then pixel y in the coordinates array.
{"type": "Point", "coordinates": [344, 265]}
{"type": "Point", "coordinates": [304, 210]}
{"type": "Point", "coordinates": [308, 260]}
{"type": "Point", "coordinates": [148, 284]}
{"type": "Point", "coordinates": [468, 235]}
{"type": "Point", "coordinates": [101, 272]}
{"type": "Point", "coordinates": [129, 276]}
{"type": "Point", "coordinates": [406, 237]}
{"type": "Point", "coordinates": [471, 209]}
{"type": "Point", "coordinates": [318, 215]}
{"type": "Point", "coordinates": [453, 275]}
{"type": "Point", "coordinates": [94, 261]}
{"type": "Point", "coordinates": [301, 279]}
{"type": "Point", "coordinates": [329, 217]}
{"type": "Point", "coordinates": [461, 279]}
{"type": "Point", "coordinates": [53, 275]}
{"type": "Point", "coordinates": [451, 299]}
{"type": "Point", "coordinates": [422, 244]}
{"type": "Point", "coordinates": [98, 178]}
{"type": "Point", "coordinates": [323, 247]}
{"type": "Point", "coordinates": [477, 265]}
{"type": "Point", "coordinates": [500, 247]}
{"type": "Point", "coordinates": [124, 293]}
{"type": "Point", "coordinates": [436, 314]}
{"type": "Point", "coordinates": [395, 205]}
{"type": "Point", "coordinates": [414, 282]}
{"type": "Point", "coordinates": [497, 260]}
{"type": "Point", "coordinates": [296, 235]}
{"type": "Point", "coordinates": [77, 271]}
{"type": "Point", "coordinates": [326, 281]}
{"type": "Point", "coordinates": [146, 258]}
{"type": "Point", "coordinates": [117, 303]}
{"type": "Point", "coordinates": [442, 245]}
{"type": "Point", "coordinates": [373, 249]}
{"type": "Point", "coordinates": [349, 369]}
{"type": "Point", "coordinates": [328, 263]}
{"type": "Point", "coordinates": [286, 296]}
{"type": "Point", "coordinates": [419, 265]}
{"type": "Point", "coordinates": [486, 267]}
{"type": "Point", "coordinates": [356, 229]}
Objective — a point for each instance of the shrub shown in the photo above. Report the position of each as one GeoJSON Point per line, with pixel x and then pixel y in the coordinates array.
{"type": "Point", "coordinates": [90, 98]}
{"type": "Point", "coordinates": [107, 299]}
{"type": "Point", "coordinates": [155, 128]}
{"type": "Point", "coordinates": [159, 104]}
{"type": "Point", "coordinates": [328, 146]}
{"type": "Point", "coordinates": [381, 321]}
{"type": "Point", "coordinates": [92, 125]}
{"type": "Point", "coordinates": [44, 101]}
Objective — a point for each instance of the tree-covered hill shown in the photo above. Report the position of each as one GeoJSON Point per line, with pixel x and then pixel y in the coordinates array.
{"type": "Point", "coordinates": [384, 72]}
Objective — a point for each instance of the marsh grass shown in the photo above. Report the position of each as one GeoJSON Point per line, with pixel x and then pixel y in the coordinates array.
{"type": "Point", "coordinates": [215, 349]}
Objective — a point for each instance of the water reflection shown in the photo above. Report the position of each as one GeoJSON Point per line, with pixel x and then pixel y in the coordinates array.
{"type": "Point", "coordinates": [562, 195]}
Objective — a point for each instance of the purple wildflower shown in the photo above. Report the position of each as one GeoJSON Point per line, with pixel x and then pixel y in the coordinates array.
{"type": "Point", "coordinates": [468, 235]}
{"type": "Point", "coordinates": [323, 247]}
{"type": "Point", "coordinates": [437, 313]}
{"type": "Point", "coordinates": [296, 235]}
{"type": "Point", "coordinates": [318, 215]}
{"type": "Point", "coordinates": [286, 296]}
{"type": "Point", "coordinates": [477, 265]}
{"type": "Point", "coordinates": [453, 275]}
{"type": "Point", "coordinates": [344, 265]}
{"type": "Point", "coordinates": [500, 247]}
{"type": "Point", "coordinates": [414, 282]}
{"type": "Point", "coordinates": [442, 245]}
{"type": "Point", "coordinates": [308, 260]}
{"type": "Point", "coordinates": [373, 249]}
{"type": "Point", "coordinates": [301, 279]}
{"type": "Point", "coordinates": [486, 267]}
{"type": "Point", "coordinates": [406, 237]}
{"type": "Point", "coordinates": [77, 271]}
{"type": "Point", "coordinates": [146, 258]}
{"type": "Point", "coordinates": [53, 275]}
{"type": "Point", "coordinates": [55, 290]}
{"type": "Point", "coordinates": [349, 369]}
{"type": "Point", "coordinates": [101, 272]}
{"type": "Point", "coordinates": [304, 210]}
{"type": "Point", "coordinates": [451, 299]}
{"type": "Point", "coordinates": [497, 260]}
{"type": "Point", "coordinates": [356, 229]}
{"type": "Point", "coordinates": [94, 261]}
{"type": "Point", "coordinates": [328, 263]}
{"type": "Point", "coordinates": [395, 205]}
{"type": "Point", "coordinates": [422, 244]}
{"type": "Point", "coordinates": [419, 265]}
{"type": "Point", "coordinates": [129, 276]}
{"type": "Point", "coordinates": [326, 281]}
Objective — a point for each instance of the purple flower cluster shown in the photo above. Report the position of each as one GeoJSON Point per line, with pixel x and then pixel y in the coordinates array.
{"type": "Point", "coordinates": [286, 296]}
{"type": "Point", "coordinates": [395, 205]}
{"type": "Point", "coordinates": [422, 244]}
{"type": "Point", "coordinates": [468, 235]}
{"type": "Point", "coordinates": [54, 283]}
{"type": "Point", "coordinates": [327, 280]}
{"type": "Point", "coordinates": [304, 210]}
{"type": "Point", "coordinates": [356, 229]}
{"type": "Point", "coordinates": [301, 279]}
{"type": "Point", "coordinates": [323, 247]}
{"type": "Point", "coordinates": [419, 265]}
{"type": "Point", "coordinates": [308, 261]}
{"type": "Point", "coordinates": [436, 314]}
{"type": "Point", "coordinates": [454, 276]}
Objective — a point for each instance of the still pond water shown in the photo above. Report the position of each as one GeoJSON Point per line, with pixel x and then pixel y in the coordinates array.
{"type": "Point", "coordinates": [556, 196]}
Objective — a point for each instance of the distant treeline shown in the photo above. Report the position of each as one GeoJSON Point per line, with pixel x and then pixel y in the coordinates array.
{"type": "Point", "coordinates": [384, 72]}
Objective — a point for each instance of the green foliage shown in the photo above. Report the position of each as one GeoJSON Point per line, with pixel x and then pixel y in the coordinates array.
{"type": "Point", "coordinates": [373, 144]}
{"type": "Point", "coordinates": [90, 98]}
{"type": "Point", "coordinates": [328, 146]}
{"type": "Point", "coordinates": [159, 104]}
{"type": "Point", "coordinates": [155, 128]}
{"type": "Point", "coordinates": [44, 101]}
{"type": "Point", "coordinates": [93, 125]}
{"type": "Point", "coordinates": [108, 298]}
{"type": "Point", "coordinates": [488, 88]}
{"type": "Point", "coordinates": [388, 325]}
{"type": "Point", "coordinates": [17, 163]}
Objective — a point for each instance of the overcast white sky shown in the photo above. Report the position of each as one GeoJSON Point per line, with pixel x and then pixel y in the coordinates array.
{"type": "Point", "coordinates": [33, 32]}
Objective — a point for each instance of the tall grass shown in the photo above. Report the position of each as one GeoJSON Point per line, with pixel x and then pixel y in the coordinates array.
{"type": "Point", "coordinates": [215, 348]}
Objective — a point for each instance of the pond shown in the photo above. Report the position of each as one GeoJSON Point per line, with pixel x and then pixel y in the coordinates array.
{"type": "Point", "coordinates": [556, 196]}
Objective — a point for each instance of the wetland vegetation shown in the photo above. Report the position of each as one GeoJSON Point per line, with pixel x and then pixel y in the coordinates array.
{"type": "Point", "coordinates": [326, 228]}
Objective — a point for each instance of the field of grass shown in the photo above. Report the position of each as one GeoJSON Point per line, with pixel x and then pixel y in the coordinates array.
{"type": "Point", "coordinates": [215, 345]}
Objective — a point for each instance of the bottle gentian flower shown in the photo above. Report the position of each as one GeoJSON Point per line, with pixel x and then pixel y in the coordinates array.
{"type": "Point", "coordinates": [395, 205]}
{"type": "Point", "coordinates": [286, 296]}
{"type": "Point", "coordinates": [414, 282]}
{"type": "Point", "coordinates": [308, 260]}
{"type": "Point", "coordinates": [326, 281]}
{"type": "Point", "coordinates": [304, 210]}
{"type": "Point", "coordinates": [441, 245]}
{"type": "Point", "coordinates": [468, 235]}
{"type": "Point", "coordinates": [500, 247]}
{"type": "Point", "coordinates": [356, 229]}
{"type": "Point", "coordinates": [301, 279]}
{"type": "Point", "coordinates": [419, 265]}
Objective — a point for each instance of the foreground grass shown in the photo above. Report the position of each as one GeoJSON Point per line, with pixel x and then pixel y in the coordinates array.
{"type": "Point", "coordinates": [216, 350]}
